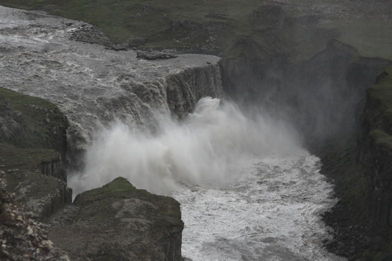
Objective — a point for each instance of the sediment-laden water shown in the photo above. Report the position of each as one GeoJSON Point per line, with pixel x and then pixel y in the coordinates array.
{"type": "Point", "coordinates": [271, 213]}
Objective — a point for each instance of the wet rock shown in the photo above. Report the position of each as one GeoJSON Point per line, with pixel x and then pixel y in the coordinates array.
{"type": "Point", "coordinates": [154, 55]}
{"type": "Point", "coordinates": [89, 34]}
{"type": "Point", "coordinates": [119, 222]}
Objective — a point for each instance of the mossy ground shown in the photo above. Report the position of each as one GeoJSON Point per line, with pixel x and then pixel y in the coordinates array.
{"type": "Point", "coordinates": [122, 20]}
{"type": "Point", "coordinates": [12, 157]}
{"type": "Point", "coordinates": [36, 123]}
{"type": "Point", "coordinates": [32, 146]}
{"type": "Point", "coordinates": [31, 131]}
{"type": "Point", "coordinates": [120, 188]}
{"type": "Point", "coordinates": [213, 26]}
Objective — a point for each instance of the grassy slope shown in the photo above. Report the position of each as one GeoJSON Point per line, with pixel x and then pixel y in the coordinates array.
{"type": "Point", "coordinates": [223, 20]}
{"type": "Point", "coordinates": [137, 18]}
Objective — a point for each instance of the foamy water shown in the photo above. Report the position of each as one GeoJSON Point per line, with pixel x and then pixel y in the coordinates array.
{"type": "Point", "coordinates": [272, 213]}
{"type": "Point", "coordinates": [248, 190]}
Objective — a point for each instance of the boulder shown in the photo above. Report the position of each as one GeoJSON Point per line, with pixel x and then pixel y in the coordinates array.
{"type": "Point", "coordinates": [119, 222]}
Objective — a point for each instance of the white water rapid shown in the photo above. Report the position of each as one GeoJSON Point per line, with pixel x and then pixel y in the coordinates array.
{"type": "Point", "coordinates": [247, 189]}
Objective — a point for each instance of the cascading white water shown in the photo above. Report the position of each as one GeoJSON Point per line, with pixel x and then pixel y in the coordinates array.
{"type": "Point", "coordinates": [208, 149]}
{"type": "Point", "coordinates": [248, 190]}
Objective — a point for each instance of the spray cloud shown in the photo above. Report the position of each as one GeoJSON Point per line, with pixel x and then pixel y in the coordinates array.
{"type": "Point", "coordinates": [207, 149]}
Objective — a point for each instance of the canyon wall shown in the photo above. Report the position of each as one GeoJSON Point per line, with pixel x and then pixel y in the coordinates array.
{"type": "Point", "coordinates": [361, 171]}
{"type": "Point", "coordinates": [303, 61]}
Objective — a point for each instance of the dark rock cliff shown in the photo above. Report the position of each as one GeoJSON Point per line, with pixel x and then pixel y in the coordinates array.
{"type": "Point", "coordinates": [32, 152]}
{"type": "Point", "coordinates": [362, 170]}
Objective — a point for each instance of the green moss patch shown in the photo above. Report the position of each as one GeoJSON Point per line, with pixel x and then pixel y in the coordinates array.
{"type": "Point", "coordinates": [381, 138]}
{"type": "Point", "coordinates": [30, 122]}
{"type": "Point", "coordinates": [12, 157]}
{"type": "Point", "coordinates": [119, 187]}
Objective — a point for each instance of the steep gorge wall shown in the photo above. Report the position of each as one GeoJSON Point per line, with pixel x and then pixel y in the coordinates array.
{"type": "Point", "coordinates": [32, 152]}
{"type": "Point", "coordinates": [321, 96]}
{"type": "Point", "coordinates": [361, 170]}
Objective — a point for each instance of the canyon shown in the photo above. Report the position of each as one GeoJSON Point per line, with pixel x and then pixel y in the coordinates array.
{"type": "Point", "coordinates": [322, 67]}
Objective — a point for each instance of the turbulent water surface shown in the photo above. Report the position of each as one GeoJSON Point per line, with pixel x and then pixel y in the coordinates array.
{"type": "Point", "coordinates": [248, 190]}
{"type": "Point", "coordinates": [272, 213]}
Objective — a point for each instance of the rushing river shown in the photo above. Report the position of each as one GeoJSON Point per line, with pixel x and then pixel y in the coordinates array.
{"type": "Point", "coordinates": [248, 190]}
{"type": "Point", "coordinates": [271, 213]}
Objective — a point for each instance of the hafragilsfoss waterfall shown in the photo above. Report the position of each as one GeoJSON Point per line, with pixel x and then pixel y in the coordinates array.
{"type": "Point", "coordinates": [248, 190]}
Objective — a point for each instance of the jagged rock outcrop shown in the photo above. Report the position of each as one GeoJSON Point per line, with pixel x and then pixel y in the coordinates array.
{"type": "Point", "coordinates": [22, 238]}
{"type": "Point", "coordinates": [32, 152]}
{"type": "Point", "coordinates": [119, 222]}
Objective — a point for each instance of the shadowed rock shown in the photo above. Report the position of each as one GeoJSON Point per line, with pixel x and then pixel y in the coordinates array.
{"type": "Point", "coordinates": [119, 222]}
{"type": "Point", "coordinates": [32, 149]}
{"type": "Point", "coordinates": [154, 55]}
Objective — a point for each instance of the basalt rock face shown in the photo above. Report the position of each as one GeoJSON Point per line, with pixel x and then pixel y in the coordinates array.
{"type": "Point", "coordinates": [119, 222]}
{"type": "Point", "coordinates": [376, 151]}
{"type": "Point", "coordinates": [32, 149]}
{"type": "Point", "coordinates": [362, 173]}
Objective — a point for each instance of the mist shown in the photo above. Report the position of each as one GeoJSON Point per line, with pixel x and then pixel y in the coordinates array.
{"type": "Point", "coordinates": [208, 148]}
